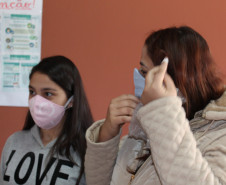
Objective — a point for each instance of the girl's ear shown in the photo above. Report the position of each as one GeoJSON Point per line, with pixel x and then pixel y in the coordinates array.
{"type": "Point", "coordinates": [70, 104]}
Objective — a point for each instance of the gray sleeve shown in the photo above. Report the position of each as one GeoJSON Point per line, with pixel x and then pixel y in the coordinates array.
{"type": "Point", "coordinates": [2, 168]}
{"type": "Point", "coordinates": [3, 159]}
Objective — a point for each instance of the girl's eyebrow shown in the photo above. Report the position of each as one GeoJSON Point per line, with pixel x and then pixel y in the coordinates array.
{"type": "Point", "coordinates": [48, 89]}
{"type": "Point", "coordinates": [44, 89]}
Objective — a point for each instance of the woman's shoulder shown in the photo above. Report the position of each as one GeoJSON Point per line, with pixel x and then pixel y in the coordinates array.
{"type": "Point", "coordinates": [216, 109]}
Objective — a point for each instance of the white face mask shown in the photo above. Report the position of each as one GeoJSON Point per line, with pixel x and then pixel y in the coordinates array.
{"type": "Point", "coordinates": [139, 83]}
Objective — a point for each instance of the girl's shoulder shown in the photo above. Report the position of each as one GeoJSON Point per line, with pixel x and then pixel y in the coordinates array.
{"type": "Point", "coordinates": [19, 134]}
{"type": "Point", "coordinates": [16, 137]}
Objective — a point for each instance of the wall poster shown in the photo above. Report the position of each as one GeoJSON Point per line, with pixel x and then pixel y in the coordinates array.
{"type": "Point", "coordinates": [20, 48]}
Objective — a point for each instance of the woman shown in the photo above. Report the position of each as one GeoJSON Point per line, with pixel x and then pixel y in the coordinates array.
{"type": "Point", "coordinates": [52, 145]}
{"type": "Point", "coordinates": [177, 133]}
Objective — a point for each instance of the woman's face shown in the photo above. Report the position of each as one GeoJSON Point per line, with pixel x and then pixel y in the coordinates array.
{"type": "Point", "coordinates": [146, 63]}
{"type": "Point", "coordinates": [41, 84]}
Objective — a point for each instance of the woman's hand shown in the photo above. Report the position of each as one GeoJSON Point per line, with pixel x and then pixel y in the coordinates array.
{"type": "Point", "coordinates": [158, 84]}
{"type": "Point", "coordinates": [120, 111]}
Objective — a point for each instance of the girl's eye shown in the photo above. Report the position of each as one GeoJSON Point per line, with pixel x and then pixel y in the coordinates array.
{"type": "Point", "coordinates": [31, 92]}
{"type": "Point", "coordinates": [48, 94]}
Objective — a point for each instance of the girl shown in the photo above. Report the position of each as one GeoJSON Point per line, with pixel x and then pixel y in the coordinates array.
{"type": "Point", "coordinates": [51, 147]}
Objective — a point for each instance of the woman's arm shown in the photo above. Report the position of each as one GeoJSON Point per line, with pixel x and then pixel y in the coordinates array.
{"type": "Point", "coordinates": [100, 156]}
{"type": "Point", "coordinates": [174, 148]}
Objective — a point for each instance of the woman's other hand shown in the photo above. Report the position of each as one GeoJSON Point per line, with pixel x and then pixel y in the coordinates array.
{"type": "Point", "coordinates": [120, 111]}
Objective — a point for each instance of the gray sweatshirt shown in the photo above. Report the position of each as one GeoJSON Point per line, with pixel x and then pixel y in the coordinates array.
{"type": "Point", "coordinates": [24, 161]}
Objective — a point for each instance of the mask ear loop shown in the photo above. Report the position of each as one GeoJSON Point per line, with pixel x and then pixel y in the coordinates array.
{"type": "Point", "coordinates": [67, 103]}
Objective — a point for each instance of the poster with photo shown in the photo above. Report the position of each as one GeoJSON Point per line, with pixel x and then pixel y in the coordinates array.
{"type": "Point", "coordinates": [20, 48]}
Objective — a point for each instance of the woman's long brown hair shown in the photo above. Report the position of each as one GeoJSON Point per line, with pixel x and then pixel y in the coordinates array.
{"type": "Point", "coordinates": [190, 65]}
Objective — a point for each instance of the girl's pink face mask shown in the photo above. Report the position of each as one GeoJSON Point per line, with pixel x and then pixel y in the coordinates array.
{"type": "Point", "coordinates": [45, 113]}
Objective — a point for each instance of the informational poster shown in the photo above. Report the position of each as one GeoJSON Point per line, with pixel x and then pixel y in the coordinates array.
{"type": "Point", "coordinates": [20, 48]}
